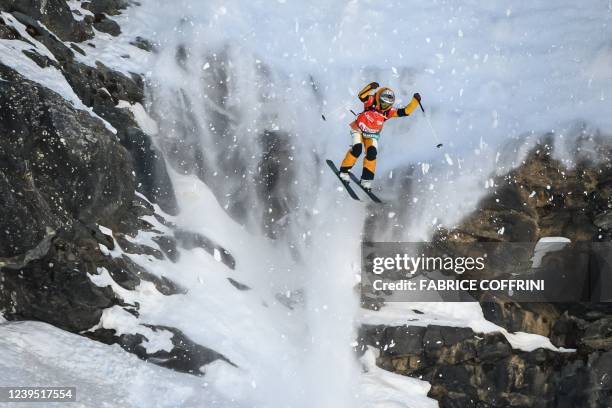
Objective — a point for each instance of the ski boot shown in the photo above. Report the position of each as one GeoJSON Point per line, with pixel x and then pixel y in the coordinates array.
{"type": "Point", "coordinates": [366, 184]}
{"type": "Point", "coordinates": [344, 176]}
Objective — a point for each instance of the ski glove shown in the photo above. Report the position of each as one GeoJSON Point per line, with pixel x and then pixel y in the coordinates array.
{"type": "Point", "coordinates": [407, 110]}
{"type": "Point", "coordinates": [365, 92]}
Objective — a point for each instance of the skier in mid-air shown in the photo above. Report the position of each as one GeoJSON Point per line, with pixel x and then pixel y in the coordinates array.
{"type": "Point", "coordinates": [366, 128]}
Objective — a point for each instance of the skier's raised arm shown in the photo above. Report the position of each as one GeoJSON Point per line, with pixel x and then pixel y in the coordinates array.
{"type": "Point", "coordinates": [364, 94]}
{"type": "Point", "coordinates": [408, 109]}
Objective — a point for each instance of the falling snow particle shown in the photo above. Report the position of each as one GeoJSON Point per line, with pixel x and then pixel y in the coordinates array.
{"type": "Point", "coordinates": [448, 159]}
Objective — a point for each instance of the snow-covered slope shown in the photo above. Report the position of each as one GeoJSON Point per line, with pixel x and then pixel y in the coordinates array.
{"type": "Point", "coordinates": [37, 354]}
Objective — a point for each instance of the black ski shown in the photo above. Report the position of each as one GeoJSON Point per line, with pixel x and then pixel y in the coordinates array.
{"type": "Point", "coordinates": [346, 185]}
{"type": "Point", "coordinates": [368, 192]}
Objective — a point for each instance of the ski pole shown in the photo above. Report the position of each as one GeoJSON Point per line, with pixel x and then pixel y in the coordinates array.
{"type": "Point", "coordinates": [433, 132]}
{"type": "Point", "coordinates": [324, 118]}
{"type": "Point", "coordinates": [334, 111]}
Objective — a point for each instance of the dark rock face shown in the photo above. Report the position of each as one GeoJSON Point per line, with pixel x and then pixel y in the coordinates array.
{"type": "Point", "coordinates": [106, 25]}
{"type": "Point", "coordinates": [468, 369]}
{"type": "Point", "coordinates": [543, 198]}
{"type": "Point", "coordinates": [191, 240]}
{"type": "Point", "coordinates": [55, 167]}
{"type": "Point", "coordinates": [186, 356]}
{"type": "Point", "coordinates": [101, 88]}
{"type": "Point", "coordinates": [127, 274]}
{"type": "Point", "coordinates": [143, 44]}
{"type": "Point", "coordinates": [64, 173]}
{"type": "Point", "coordinates": [55, 288]}
{"type": "Point", "coordinates": [54, 14]}
{"type": "Point", "coordinates": [540, 198]}
{"type": "Point", "coordinates": [57, 183]}
{"type": "Point", "coordinates": [110, 7]}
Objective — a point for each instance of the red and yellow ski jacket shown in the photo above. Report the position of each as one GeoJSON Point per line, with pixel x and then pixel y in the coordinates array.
{"type": "Point", "coordinates": [371, 121]}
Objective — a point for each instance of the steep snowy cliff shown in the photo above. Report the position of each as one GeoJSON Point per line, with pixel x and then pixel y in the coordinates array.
{"type": "Point", "coordinates": [164, 193]}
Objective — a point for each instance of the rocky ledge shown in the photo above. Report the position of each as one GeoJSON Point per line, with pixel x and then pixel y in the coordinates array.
{"type": "Point", "coordinates": [468, 369]}
{"type": "Point", "coordinates": [542, 197]}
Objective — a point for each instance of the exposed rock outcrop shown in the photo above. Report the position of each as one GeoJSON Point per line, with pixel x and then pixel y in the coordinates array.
{"type": "Point", "coordinates": [102, 88]}
{"type": "Point", "coordinates": [468, 369]}
{"type": "Point", "coordinates": [541, 197]}
{"type": "Point", "coordinates": [54, 14]}
{"type": "Point", "coordinates": [68, 187]}
{"type": "Point", "coordinates": [55, 165]}
{"type": "Point", "coordinates": [185, 355]}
